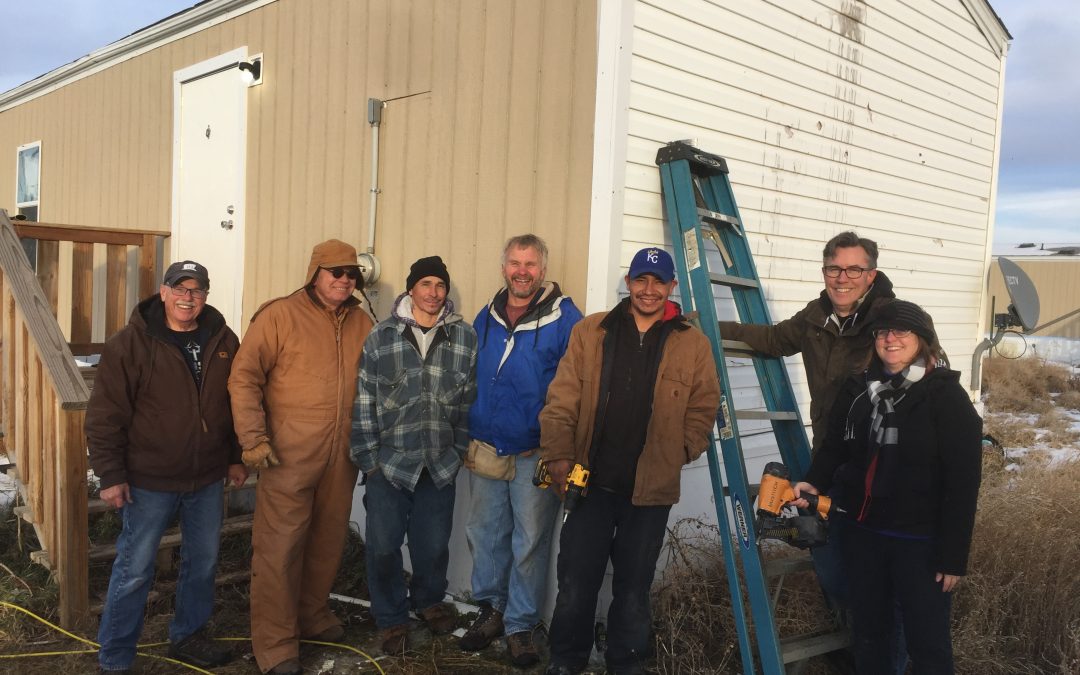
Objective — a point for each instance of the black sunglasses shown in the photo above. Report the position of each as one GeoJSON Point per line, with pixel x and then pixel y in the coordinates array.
{"type": "Point", "coordinates": [351, 272]}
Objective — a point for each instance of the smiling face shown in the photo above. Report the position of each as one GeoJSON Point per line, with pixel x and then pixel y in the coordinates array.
{"type": "Point", "coordinates": [896, 353]}
{"type": "Point", "coordinates": [523, 272]}
{"type": "Point", "coordinates": [843, 291]}
{"type": "Point", "coordinates": [182, 311]}
{"type": "Point", "coordinates": [648, 297]}
{"type": "Point", "coordinates": [333, 292]}
{"type": "Point", "coordinates": [428, 297]}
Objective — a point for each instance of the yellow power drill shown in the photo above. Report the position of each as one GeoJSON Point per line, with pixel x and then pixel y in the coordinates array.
{"type": "Point", "coordinates": [576, 483]}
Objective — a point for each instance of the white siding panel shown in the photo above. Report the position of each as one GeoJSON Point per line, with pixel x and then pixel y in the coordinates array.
{"type": "Point", "coordinates": [833, 115]}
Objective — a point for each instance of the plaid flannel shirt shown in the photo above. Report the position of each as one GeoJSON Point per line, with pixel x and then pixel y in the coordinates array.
{"type": "Point", "coordinates": [411, 413]}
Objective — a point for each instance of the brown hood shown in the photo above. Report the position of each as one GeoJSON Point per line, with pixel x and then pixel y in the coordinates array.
{"type": "Point", "coordinates": [330, 253]}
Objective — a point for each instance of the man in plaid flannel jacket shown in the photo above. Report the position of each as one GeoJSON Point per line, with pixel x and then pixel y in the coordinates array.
{"type": "Point", "coordinates": [410, 432]}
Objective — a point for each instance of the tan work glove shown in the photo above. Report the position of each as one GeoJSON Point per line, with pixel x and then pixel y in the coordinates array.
{"type": "Point", "coordinates": [261, 456]}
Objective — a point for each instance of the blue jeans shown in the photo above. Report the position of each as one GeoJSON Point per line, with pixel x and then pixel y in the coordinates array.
{"type": "Point", "coordinates": [509, 533]}
{"type": "Point", "coordinates": [426, 515]}
{"type": "Point", "coordinates": [145, 519]}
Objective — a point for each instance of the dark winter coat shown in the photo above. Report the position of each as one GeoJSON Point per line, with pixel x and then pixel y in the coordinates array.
{"type": "Point", "coordinates": [148, 424]}
{"type": "Point", "coordinates": [928, 484]}
{"type": "Point", "coordinates": [830, 355]}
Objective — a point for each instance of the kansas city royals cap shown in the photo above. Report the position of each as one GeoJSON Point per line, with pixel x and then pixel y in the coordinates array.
{"type": "Point", "coordinates": [655, 261]}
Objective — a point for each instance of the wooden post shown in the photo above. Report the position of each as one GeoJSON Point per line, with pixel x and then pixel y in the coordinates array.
{"type": "Point", "coordinates": [82, 293]}
{"type": "Point", "coordinates": [71, 555]}
{"type": "Point", "coordinates": [48, 259]}
{"type": "Point", "coordinates": [115, 289]}
{"type": "Point", "coordinates": [148, 271]}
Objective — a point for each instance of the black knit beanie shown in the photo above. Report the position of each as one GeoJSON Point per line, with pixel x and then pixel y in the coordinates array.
{"type": "Point", "coordinates": [906, 316]}
{"type": "Point", "coordinates": [432, 266]}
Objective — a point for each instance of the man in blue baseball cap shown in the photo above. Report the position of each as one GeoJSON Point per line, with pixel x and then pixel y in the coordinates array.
{"type": "Point", "coordinates": [633, 400]}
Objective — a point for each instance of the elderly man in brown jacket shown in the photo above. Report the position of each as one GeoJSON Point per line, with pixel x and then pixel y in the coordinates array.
{"type": "Point", "coordinates": [292, 387]}
{"type": "Point", "coordinates": [634, 399]}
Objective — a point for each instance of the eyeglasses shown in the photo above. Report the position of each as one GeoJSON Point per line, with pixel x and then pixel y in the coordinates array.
{"type": "Point", "coordinates": [195, 293]}
{"type": "Point", "coordinates": [853, 272]}
{"type": "Point", "coordinates": [351, 272]}
{"type": "Point", "coordinates": [882, 333]}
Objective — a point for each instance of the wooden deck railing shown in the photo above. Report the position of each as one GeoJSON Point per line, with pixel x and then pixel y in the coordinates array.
{"type": "Point", "coordinates": [44, 394]}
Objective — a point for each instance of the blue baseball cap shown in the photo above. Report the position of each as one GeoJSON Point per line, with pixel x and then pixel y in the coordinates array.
{"type": "Point", "coordinates": [654, 261]}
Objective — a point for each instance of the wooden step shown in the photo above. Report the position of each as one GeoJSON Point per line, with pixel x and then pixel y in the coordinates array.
{"type": "Point", "coordinates": [803, 647]}
{"type": "Point", "coordinates": [172, 537]}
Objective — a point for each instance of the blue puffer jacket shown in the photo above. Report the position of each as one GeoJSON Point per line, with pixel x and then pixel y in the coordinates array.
{"type": "Point", "coordinates": [514, 369]}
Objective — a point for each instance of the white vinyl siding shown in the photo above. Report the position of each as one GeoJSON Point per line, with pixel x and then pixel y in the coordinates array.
{"type": "Point", "coordinates": [833, 115]}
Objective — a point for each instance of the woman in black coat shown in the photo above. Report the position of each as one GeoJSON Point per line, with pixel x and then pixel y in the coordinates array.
{"type": "Point", "coordinates": [902, 456]}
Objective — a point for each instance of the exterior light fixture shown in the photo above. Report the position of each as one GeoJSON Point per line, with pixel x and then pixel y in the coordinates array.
{"type": "Point", "coordinates": [251, 71]}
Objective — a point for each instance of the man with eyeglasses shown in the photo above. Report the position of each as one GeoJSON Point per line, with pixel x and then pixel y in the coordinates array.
{"type": "Point", "coordinates": [831, 333]}
{"type": "Point", "coordinates": [160, 433]}
{"type": "Point", "coordinates": [292, 390]}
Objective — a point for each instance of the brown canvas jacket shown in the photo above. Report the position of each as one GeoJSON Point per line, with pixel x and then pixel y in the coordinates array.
{"type": "Point", "coordinates": [685, 399]}
{"type": "Point", "coordinates": [829, 355]}
{"type": "Point", "coordinates": [294, 379]}
{"type": "Point", "coordinates": [147, 424]}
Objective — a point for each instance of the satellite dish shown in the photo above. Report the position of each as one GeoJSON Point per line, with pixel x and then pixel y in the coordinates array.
{"type": "Point", "coordinates": [1024, 309]}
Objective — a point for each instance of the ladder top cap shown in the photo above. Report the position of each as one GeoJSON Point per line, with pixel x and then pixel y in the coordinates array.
{"type": "Point", "coordinates": [701, 162]}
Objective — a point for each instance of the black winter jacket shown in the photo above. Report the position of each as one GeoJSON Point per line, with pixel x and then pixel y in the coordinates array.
{"type": "Point", "coordinates": [147, 424]}
{"type": "Point", "coordinates": [929, 485]}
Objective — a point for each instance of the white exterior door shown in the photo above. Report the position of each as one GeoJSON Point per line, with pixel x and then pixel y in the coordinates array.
{"type": "Point", "coordinates": [209, 150]}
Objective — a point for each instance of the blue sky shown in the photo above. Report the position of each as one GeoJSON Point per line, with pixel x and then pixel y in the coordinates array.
{"type": "Point", "coordinates": [1039, 186]}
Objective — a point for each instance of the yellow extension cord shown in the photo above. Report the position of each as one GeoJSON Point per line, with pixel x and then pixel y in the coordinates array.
{"type": "Point", "coordinates": [155, 644]}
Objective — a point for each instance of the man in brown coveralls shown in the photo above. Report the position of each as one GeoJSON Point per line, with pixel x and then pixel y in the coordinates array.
{"type": "Point", "coordinates": [292, 387]}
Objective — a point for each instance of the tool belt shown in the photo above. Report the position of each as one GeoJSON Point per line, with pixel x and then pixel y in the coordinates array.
{"type": "Point", "coordinates": [482, 459]}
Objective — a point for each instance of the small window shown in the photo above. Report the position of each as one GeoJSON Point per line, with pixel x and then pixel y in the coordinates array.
{"type": "Point", "coordinates": [28, 180]}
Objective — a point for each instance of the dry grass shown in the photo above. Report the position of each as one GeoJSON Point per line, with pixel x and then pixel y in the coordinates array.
{"type": "Point", "coordinates": [1024, 385]}
{"type": "Point", "coordinates": [1070, 400]}
{"type": "Point", "coordinates": [1017, 610]}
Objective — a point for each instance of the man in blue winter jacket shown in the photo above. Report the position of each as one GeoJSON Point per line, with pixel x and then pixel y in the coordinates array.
{"type": "Point", "coordinates": [522, 334]}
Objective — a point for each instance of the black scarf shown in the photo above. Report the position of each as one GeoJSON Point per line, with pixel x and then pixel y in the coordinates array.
{"type": "Point", "coordinates": [885, 392]}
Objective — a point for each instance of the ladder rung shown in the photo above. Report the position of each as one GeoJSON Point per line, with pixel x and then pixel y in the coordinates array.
{"type": "Point", "coordinates": [805, 646]}
{"type": "Point", "coordinates": [717, 216]}
{"type": "Point", "coordinates": [735, 348]}
{"type": "Point", "coordinates": [733, 281]}
{"type": "Point", "coordinates": [771, 415]}
{"type": "Point", "coordinates": [789, 565]}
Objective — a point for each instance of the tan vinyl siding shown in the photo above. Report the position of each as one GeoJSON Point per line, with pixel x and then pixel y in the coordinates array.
{"type": "Point", "coordinates": [1057, 281]}
{"type": "Point", "coordinates": [487, 133]}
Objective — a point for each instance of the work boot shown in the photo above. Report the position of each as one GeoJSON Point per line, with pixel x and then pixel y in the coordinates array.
{"type": "Point", "coordinates": [440, 618]}
{"type": "Point", "coordinates": [559, 669]}
{"type": "Point", "coordinates": [201, 651]}
{"type": "Point", "coordinates": [122, 671]}
{"type": "Point", "coordinates": [332, 634]}
{"type": "Point", "coordinates": [487, 626]}
{"type": "Point", "coordinates": [287, 667]}
{"type": "Point", "coordinates": [394, 640]}
{"type": "Point", "coordinates": [522, 648]}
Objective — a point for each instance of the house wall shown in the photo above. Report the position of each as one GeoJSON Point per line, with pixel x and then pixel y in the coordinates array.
{"type": "Point", "coordinates": [486, 133]}
{"type": "Point", "coordinates": [1057, 281]}
{"type": "Point", "coordinates": [833, 115]}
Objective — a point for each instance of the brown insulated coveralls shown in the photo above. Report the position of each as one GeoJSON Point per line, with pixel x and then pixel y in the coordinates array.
{"type": "Point", "coordinates": [293, 384]}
